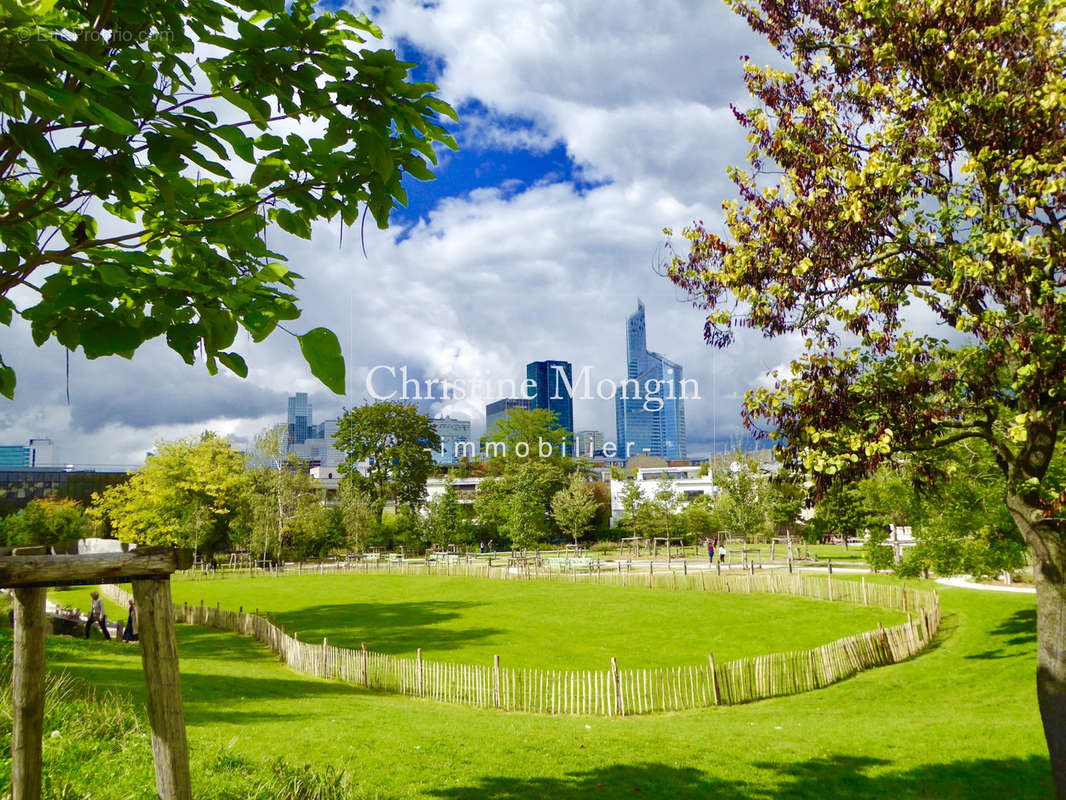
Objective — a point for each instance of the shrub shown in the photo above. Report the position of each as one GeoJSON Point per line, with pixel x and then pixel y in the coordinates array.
{"type": "Point", "coordinates": [879, 555]}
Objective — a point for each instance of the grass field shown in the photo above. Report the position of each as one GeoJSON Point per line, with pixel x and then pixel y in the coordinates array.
{"type": "Point", "coordinates": [959, 721]}
{"type": "Point", "coordinates": [535, 624]}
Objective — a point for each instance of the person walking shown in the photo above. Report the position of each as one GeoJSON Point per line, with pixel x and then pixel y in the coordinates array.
{"type": "Point", "coordinates": [129, 633]}
{"type": "Point", "coordinates": [710, 551]}
{"type": "Point", "coordinates": [96, 614]}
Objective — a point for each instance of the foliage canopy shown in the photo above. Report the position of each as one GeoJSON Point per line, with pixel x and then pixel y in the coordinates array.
{"type": "Point", "coordinates": [146, 147]}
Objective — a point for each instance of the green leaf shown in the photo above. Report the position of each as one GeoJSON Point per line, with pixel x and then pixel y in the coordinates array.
{"type": "Point", "coordinates": [111, 274]}
{"type": "Point", "coordinates": [235, 363]}
{"type": "Point", "coordinates": [241, 144]}
{"type": "Point", "coordinates": [7, 382]}
{"type": "Point", "coordinates": [322, 352]}
{"type": "Point", "coordinates": [268, 170]}
{"type": "Point", "coordinates": [112, 121]}
{"type": "Point", "coordinates": [274, 271]}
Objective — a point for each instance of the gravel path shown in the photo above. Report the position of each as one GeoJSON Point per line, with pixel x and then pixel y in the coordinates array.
{"type": "Point", "coordinates": [964, 582]}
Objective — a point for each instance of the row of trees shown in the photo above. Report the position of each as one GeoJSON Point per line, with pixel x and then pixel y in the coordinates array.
{"type": "Point", "coordinates": [203, 494]}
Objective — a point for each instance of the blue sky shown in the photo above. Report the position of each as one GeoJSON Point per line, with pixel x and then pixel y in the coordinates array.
{"type": "Point", "coordinates": [585, 129]}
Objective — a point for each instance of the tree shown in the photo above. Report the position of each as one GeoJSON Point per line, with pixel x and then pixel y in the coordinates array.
{"type": "Point", "coordinates": [48, 521]}
{"type": "Point", "coordinates": [908, 164]}
{"type": "Point", "coordinates": [525, 434]}
{"type": "Point", "coordinates": [697, 518]}
{"type": "Point", "coordinates": [574, 507]}
{"type": "Point", "coordinates": [396, 444]}
{"type": "Point", "coordinates": [840, 511]}
{"type": "Point", "coordinates": [187, 494]}
{"type": "Point", "coordinates": [357, 514]}
{"type": "Point", "coordinates": [630, 499]}
{"type": "Point", "coordinates": [739, 506]}
{"type": "Point", "coordinates": [446, 522]}
{"type": "Point", "coordinates": [287, 512]}
{"type": "Point", "coordinates": [517, 503]}
{"type": "Point", "coordinates": [123, 150]}
{"type": "Point", "coordinates": [786, 498]}
{"type": "Point", "coordinates": [962, 525]}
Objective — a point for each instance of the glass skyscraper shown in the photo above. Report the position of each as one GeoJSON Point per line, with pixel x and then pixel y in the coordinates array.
{"type": "Point", "coordinates": [649, 405]}
{"type": "Point", "coordinates": [299, 428]}
{"type": "Point", "coordinates": [498, 409]}
{"type": "Point", "coordinates": [552, 380]}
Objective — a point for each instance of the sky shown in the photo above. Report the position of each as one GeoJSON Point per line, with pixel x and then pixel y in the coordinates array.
{"type": "Point", "coordinates": [586, 128]}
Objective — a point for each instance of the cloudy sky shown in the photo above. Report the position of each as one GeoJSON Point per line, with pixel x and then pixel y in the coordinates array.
{"type": "Point", "coordinates": [585, 129]}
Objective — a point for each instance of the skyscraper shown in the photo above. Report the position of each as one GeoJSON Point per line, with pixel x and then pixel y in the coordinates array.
{"type": "Point", "coordinates": [649, 405]}
{"type": "Point", "coordinates": [299, 427]}
{"type": "Point", "coordinates": [498, 409]}
{"type": "Point", "coordinates": [553, 380]}
{"type": "Point", "coordinates": [455, 440]}
{"type": "Point", "coordinates": [588, 443]}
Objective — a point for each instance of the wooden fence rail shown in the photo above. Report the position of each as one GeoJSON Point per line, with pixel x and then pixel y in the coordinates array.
{"type": "Point", "coordinates": [613, 691]}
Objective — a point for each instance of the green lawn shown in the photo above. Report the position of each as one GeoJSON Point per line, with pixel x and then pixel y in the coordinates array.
{"type": "Point", "coordinates": [536, 624]}
{"type": "Point", "coordinates": [959, 721]}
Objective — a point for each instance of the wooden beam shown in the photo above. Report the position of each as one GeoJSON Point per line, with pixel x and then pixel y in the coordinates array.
{"type": "Point", "coordinates": [91, 568]}
{"type": "Point", "coordinates": [28, 694]}
{"type": "Point", "coordinates": [159, 654]}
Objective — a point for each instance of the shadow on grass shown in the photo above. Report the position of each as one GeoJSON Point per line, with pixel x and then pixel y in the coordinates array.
{"type": "Point", "coordinates": [394, 628]}
{"type": "Point", "coordinates": [208, 696]}
{"type": "Point", "coordinates": [1017, 635]}
{"type": "Point", "coordinates": [854, 777]}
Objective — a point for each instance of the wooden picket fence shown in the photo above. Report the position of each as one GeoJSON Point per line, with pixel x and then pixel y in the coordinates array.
{"type": "Point", "coordinates": [615, 691]}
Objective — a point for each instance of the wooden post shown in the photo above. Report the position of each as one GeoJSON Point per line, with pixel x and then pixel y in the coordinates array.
{"type": "Point", "coordinates": [418, 674]}
{"type": "Point", "coordinates": [28, 693]}
{"type": "Point", "coordinates": [616, 679]}
{"type": "Point", "coordinates": [714, 681]}
{"type": "Point", "coordinates": [159, 654]}
{"type": "Point", "coordinates": [325, 657]}
{"type": "Point", "coordinates": [366, 672]}
{"type": "Point", "coordinates": [496, 681]}
{"type": "Point", "coordinates": [865, 599]}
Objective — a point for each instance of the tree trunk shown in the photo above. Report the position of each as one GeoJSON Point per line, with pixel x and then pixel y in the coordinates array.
{"type": "Point", "coordinates": [1051, 662]}
{"type": "Point", "coordinates": [1049, 574]}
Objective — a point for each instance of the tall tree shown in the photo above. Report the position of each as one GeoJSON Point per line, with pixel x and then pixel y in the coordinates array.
{"type": "Point", "coordinates": [396, 444]}
{"type": "Point", "coordinates": [187, 494]}
{"type": "Point", "coordinates": [49, 520]}
{"type": "Point", "coordinates": [287, 512]}
{"type": "Point", "coordinates": [910, 162]}
{"type": "Point", "coordinates": [445, 521]}
{"type": "Point", "coordinates": [741, 506]}
{"type": "Point", "coordinates": [145, 147]}
{"type": "Point", "coordinates": [518, 502]}
{"type": "Point", "coordinates": [525, 434]}
{"type": "Point", "coordinates": [357, 515]}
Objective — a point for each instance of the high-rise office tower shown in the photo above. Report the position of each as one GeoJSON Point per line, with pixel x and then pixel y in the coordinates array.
{"type": "Point", "coordinates": [498, 409]}
{"type": "Point", "coordinates": [553, 380]}
{"type": "Point", "coordinates": [454, 439]}
{"type": "Point", "coordinates": [299, 428]}
{"type": "Point", "coordinates": [649, 404]}
{"type": "Point", "coordinates": [588, 443]}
